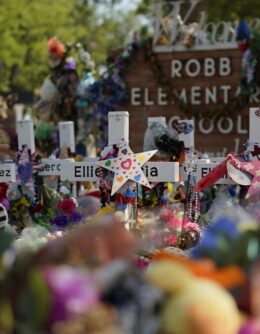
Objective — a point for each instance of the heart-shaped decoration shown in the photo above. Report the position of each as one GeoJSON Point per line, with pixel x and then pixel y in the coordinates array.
{"type": "Point", "coordinates": [108, 163]}
{"type": "Point", "coordinates": [124, 151]}
{"type": "Point", "coordinates": [126, 164]}
{"type": "Point", "coordinates": [257, 112]}
{"type": "Point", "coordinates": [178, 126]}
{"type": "Point", "coordinates": [137, 177]}
{"type": "Point", "coordinates": [124, 172]}
{"type": "Point", "coordinates": [141, 158]}
{"type": "Point", "coordinates": [25, 172]}
{"type": "Point", "coordinates": [119, 178]}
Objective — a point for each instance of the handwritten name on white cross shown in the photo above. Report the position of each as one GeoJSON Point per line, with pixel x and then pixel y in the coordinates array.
{"type": "Point", "coordinates": [204, 168]}
{"type": "Point", "coordinates": [7, 172]}
{"type": "Point", "coordinates": [89, 171]}
{"type": "Point", "coordinates": [51, 167]}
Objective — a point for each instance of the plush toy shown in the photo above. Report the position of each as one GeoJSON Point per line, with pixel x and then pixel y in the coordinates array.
{"type": "Point", "coordinates": [202, 308]}
{"type": "Point", "coordinates": [195, 305]}
{"type": "Point", "coordinates": [169, 277]}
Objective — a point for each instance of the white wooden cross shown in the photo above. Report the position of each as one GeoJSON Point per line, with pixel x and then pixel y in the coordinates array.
{"type": "Point", "coordinates": [202, 168]}
{"type": "Point", "coordinates": [52, 167]}
{"type": "Point", "coordinates": [118, 130]}
{"type": "Point", "coordinates": [25, 135]}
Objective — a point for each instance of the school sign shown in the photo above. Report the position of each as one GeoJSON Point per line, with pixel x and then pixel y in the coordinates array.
{"type": "Point", "coordinates": [199, 82]}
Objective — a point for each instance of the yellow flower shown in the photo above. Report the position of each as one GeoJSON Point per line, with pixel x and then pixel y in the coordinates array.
{"type": "Point", "coordinates": [105, 210]}
{"type": "Point", "coordinates": [24, 202]}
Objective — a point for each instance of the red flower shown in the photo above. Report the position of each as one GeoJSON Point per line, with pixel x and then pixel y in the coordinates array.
{"type": "Point", "coordinates": [243, 46]}
{"type": "Point", "coordinates": [37, 208]}
{"type": "Point", "coordinates": [66, 205]}
{"type": "Point", "coordinates": [56, 47]}
{"type": "Point", "coordinates": [3, 190]}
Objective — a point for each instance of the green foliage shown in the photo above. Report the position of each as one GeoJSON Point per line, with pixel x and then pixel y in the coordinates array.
{"type": "Point", "coordinates": [6, 317]}
{"type": "Point", "coordinates": [223, 10]}
{"type": "Point", "coordinates": [6, 238]}
{"type": "Point", "coordinates": [26, 25]}
{"type": "Point", "coordinates": [35, 301]}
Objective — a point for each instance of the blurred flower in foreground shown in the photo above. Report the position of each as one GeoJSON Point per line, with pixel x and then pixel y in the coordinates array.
{"type": "Point", "coordinates": [74, 291]}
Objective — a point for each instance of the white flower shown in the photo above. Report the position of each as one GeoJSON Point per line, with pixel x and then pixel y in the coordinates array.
{"type": "Point", "coordinates": [64, 190]}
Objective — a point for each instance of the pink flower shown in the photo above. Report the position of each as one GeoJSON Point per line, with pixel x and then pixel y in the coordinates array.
{"type": "Point", "coordinates": [174, 222]}
{"type": "Point", "coordinates": [191, 226]}
{"type": "Point", "coordinates": [73, 291]}
{"type": "Point", "coordinates": [141, 263]}
{"type": "Point", "coordinates": [171, 239]}
{"type": "Point", "coordinates": [166, 214]}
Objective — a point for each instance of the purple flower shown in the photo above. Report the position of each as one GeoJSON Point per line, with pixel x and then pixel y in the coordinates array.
{"type": "Point", "coordinates": [119, 63]}
{"type": "Point", "coordinates": [76, 217]}
{"type": "Point", "coordinates": [5, 202]}
{"type": "Point", "coordinates": [55, 137]}
{"type": "Point", "coordinates": [70, 64]}
{"type": "Point", "coordinates": [60, 221]}
{"type": "Point", "coordinates": [73, 292]}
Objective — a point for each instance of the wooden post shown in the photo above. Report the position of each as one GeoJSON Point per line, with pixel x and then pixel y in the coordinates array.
{"type": "Point", "coordinates": [67, 135]}
{"type": "Point", "coordinates": [254, 125]}
{"type": "Point", "coordinates": [67, 139]}
{"type": "Point", "coordinates": [118, 127]}
{"type": "Point", "coordinates": [25, 133]}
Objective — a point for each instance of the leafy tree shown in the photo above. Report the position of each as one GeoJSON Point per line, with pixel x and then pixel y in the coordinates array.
{"type": "Point", "coordinates": [26, 25]}
{"type": "Point", "coordinates": [221, 10]}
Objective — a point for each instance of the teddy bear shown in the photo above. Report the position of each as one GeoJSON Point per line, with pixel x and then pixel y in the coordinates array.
{"type": "Point", "coordinates": [194, 305]}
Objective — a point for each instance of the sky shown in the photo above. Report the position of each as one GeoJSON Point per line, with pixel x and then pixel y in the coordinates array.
{"type": "Point", "coordinates": [125, 6]}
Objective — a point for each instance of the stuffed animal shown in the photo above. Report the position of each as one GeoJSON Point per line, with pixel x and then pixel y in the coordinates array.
{"type": "Point", "coordinates": [202, 308]}
{"type": "Point", "coordinates": [194, 305]}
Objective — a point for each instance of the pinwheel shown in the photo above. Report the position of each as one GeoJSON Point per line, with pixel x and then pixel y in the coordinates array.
{"type": "Point", "coordinates": [28, 165]}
